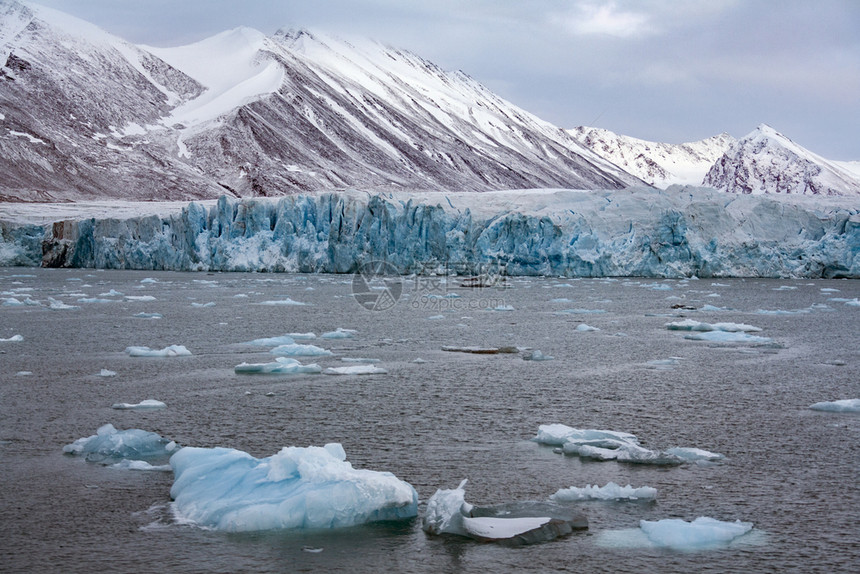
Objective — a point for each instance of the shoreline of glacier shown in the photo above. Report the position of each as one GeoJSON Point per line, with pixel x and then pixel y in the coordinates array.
{"type": "Point", "coordinates": [678, 232]}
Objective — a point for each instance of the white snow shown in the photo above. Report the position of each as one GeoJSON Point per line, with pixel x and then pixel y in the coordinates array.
{"type": "Point", "coordinates": [297, 488]}
{"type": "Point", "coordinates": [170, 351]}
{"type": "Point", "coordinates": [840, 406]}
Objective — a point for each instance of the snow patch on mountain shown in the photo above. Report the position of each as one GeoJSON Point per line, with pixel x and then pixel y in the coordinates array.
{"type": "Point", "coordinates": [659, 164]}
{"type": "Point", "coordinates": [767, 162]}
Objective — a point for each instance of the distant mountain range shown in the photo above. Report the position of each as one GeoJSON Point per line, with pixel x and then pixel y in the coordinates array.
{"type": "Point", "coordinates": [87, 115]}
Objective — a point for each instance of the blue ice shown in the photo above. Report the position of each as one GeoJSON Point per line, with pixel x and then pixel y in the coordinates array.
{"type": "Point", "coordinates": [110, 445]}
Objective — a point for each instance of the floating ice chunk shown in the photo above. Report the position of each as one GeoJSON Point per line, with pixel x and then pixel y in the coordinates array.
{"type": "Point", "coordinates": [171, 351]}
{"type": "Point", "coordinates": [503, 308]}
{"type": "Point", "coordinates": [141, 465]}
{"type": "Point", "coordinates": [558, 434]}
{"type": "Point", "coordinates": [697, 455]}
{"type": "Point", "coordinates": [358, 360]}
{"type": "Point", "coordinates": [281, 366]}
{"type": "Point", "coordinates": [110, 445]}
{"type": "Point", "coordinates": [664, 364]}
{"type": "Point", "coordinates": [95, 300]}
{"type": "Point", "coordinates": [508, 524]}
{"type": "Point", "coordinates": [713, 308]}
{"type": "Point", "coordinates": [727, 337]}
{"type": "Point", "coordinates": [148, 404]}
{"type": "Point", "coordinates": [609, 492]}
{"type": "Point", "coordinates": [144, 298]}
{"type": "Point", "coordinates": [149, 315]}
{"type": "Point", "coordinates": [782, 312]}
{"type": "Point", "coordinates": [853, 302]}
{"type": "Point", "coordinates": [298, 350]}
{"type": "Point", "coordinates": [272, 341]}
{"type": "Point", "coordinates": [691, 325]}
{"type": "Point", "coordinates": [149, 280]}
{"type": "Point", "coordinates": [59, 305]}
{"type": "Point", "coordinates": [435, 317]}
{"type": "Point", "coordinates": [340, 333]}
{"type": "Point", "coordinates": [829, 290]}
{"type": "Point", "coordinates": [302, 336]}
{"type": "Point", "coordinates": [107, 373]}
{"type": "Point", "coordinates": [24, 373]}
{"type": "Point", "coordinates": [356, 370]}
{"type": "Point", "coordinates": [580, 311]}
{"type": "Point", "coordinates": [13, 339]}
{"type": "Point", "coordinates": [201, 305]}
{"type": "Point", "coordinates": [785, 288]}
{"type": "Point", "coordinates": [536, 355]}
{"type": "Point", "coordinates": [111, 293]}
{"type": "Point", "coordinates": [583, 328]}
{"type": "Point", "coordinates": [281, 302]}
{"type": "Point", "coordinates": [297, 488]}
{"type": "Point", "coordinates": [841, 406]}
{"type": "Point", "coordinates": [702, 533]}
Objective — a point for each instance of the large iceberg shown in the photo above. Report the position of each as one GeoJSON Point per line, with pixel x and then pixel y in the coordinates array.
{"type": "Point", "coordinates": [679, 232]}
{"type": "Point", "coordinates": [112, 446]}
{"type": "Point", "coordinates": [297, 488]}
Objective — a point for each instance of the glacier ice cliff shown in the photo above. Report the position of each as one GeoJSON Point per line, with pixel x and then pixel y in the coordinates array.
{"type": "Point", "coordinates": [678, 232]}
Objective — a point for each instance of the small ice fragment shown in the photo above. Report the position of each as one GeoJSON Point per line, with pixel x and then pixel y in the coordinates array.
{"type": "Point", "coordinates": [503, 308]}
{"type": "Point", "coordinates": [148, 315]}
{"type": "Point", "coordinates": [13, 339]}
{"type": "Point", "coordinates": [281, 302]}
{"type": "Point", "coordinates": [171, 351]}
{"type": "Point", "coordinates": [697, 455]}
{"type": "Point", "coordinates": [536, 355]}
{"type": "Point", "coordinates": [583, 328]}
{"type": "Point", "coordinates": [281, 366]}
{"type": "Point", "coordinates": [107, 373]}
{"type": "Point", "coordinates": [611, 491]}
{"type": "Point", "coordinates": [59, 305]}
{"type": "Point", "coordinates": [140, 298]}
{"type": "Point", "coordinates": [297, 350]}
{"type": "Point", "coordinates": [703, 532]}
{"type": "Point", "coordinates": [358, 360]}
{"type": "Point", "coordinates": [24, 373]}
{"type": "Point", "coordinates": [340, 333]}
{"type": "Point", "coordinates": [840, 406]}
{"type": "Point", "coordinates": [727, 337]}
{"type": "Point", "coordinates": [148, 404]}
{"type": "Point", "coordinates": [272, 341]}
{"type": "Point", "coordinates": [149, 280]}
{"type": "Point", "coordinates": [435, 317]}
{"type": "Point", "coordinates": [199, 305]}
{"type": "Point", "coordinates": [356, 370]}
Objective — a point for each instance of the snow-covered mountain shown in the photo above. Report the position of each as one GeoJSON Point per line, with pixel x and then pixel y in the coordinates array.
{"type": "Point", "coordinates": [87, 115]}
{"type": "Point", "coordinates": [765, 161]}
{"type": "Point", "coordinates": [659, 164]}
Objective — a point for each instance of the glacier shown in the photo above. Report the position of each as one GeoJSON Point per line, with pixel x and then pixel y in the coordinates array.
{"type": "Point", "coordinates": [679, 232]}
{"type": "Point", "coordinates": [308, 488]}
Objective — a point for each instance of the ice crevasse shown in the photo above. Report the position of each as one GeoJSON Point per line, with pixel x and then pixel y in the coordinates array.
{"type": "Point", "coordinates": [677, 232]}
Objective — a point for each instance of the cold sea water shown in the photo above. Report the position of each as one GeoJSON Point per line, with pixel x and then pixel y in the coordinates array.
{"type": "Point", "coordinates": [791, 471]}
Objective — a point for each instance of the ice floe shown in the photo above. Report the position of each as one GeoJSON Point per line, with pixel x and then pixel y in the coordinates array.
{"type": "Point", "coordinates": [840, 406]}
{"type": "Point", "coordinates": [170, 351]}
{"type": "Point", "coordinates": [356, 370]}
{"type": "Point", "coordinates": [107, 373]}
{"type": "Point", "coordinates": [583, 328]}
{"type": "Point", "coordinates": [272, 341]}
{"type": "Point", "coordinates": [612, 445]}
{"type": "Point", "coordinates": [281, 366]}
{"type": "Point", "coordinates": [297, 488]}
{"type": "Point", "coordinates": [339, 333]}
{"type": "Point", "coordinates": [703, 532]}
{"type": "Point", "coordinates": [109, 446]}
{"type": "Point", "coordinates": [281, 302]}
{"type": "Point", "coordinates": [691, 325]}
{"type": "Point", "coordinates": [299, 350]}
{"type": "Point", "coordinates": [536, 355]}
{"type": "Point", "coordinates": [727, 337]}
{"type": "Point", "coordinates": [509, 524]}
{"type": "Point", "coordinates": [13, 339]}
{"type": "Point", "coordinates": [611, 491]}
{"type": "Point", "coordinates": [148, 404]}
{"type": "Point", "coordinates": [149, 315]}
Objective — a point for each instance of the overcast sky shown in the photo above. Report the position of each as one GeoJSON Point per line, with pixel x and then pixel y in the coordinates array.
{"type": "Point", "coordinates": [661, 70]}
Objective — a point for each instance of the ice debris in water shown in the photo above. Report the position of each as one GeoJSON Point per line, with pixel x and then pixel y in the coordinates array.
{"type": "Point", "coordinates": [509, 524]}
{"type": "Point", "coordinates": [356, 370]}
{"type": "Point", "coordinates": [691, 325]}
{"type": "Point", "coordinates": [340, 333]}
{"type": "Point", "coordinates": [59, 305]}
{"type": "Point", "coordinates": [171, 351]}
{"type": "Point", "coordinates": [536, 355]}
{"type": "Point", "coordinates": [702, 533]}
{"type": "Point", "coordinates": [298, 350]}
{"type": "Point", "coordinates": [107, 373]}
{"type": "Point", "coordinates": [727, 337]}
{"type": "Point", "coordinates": [609, 492]}
{"type": "Point", "coordinates": [149, 315]}
{"type": "Point", "coordinates": [272, 341]}
{"type": "Point", "coordinates": [297, 488]}
{"type": "Point", "coordinates": [13, 339]}
{"type": "Point", "coordinates": [281, 366]}
{"type": "Point", "coordinates": [583, 328]}
{"type": "Point", "coordinates": [110, 445]}
{"type": "Point", "coordinates": [148, 404]}
{"type": "Point", "coordinates": [841, 406]}
{"type": "Point", "coordinates": [620, 446]}
{"type": "Point", "coordinates": [281, 302]}
{"type": "Point", "coordinates": [201, 305]}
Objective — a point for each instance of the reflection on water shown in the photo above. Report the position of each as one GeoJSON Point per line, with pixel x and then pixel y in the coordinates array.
{"type": "Point", "coordinates": [789, 470]}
